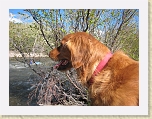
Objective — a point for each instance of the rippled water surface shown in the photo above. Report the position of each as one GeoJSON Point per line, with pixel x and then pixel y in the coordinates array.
{"type": "Point", "coordinates": [20, 81]}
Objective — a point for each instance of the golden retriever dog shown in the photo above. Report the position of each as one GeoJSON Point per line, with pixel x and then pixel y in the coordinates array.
{"type": "Point", "coordinates": [111, 79]}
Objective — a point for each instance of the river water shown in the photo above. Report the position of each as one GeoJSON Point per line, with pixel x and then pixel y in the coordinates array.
{"type": "Point", "coordinates": [20, 80]}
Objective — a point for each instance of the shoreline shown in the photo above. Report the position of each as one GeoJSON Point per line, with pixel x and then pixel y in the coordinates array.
{"type": "Point", "coordinates": [17, 54]}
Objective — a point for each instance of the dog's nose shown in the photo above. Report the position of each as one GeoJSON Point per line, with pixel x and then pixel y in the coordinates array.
{"type": "Point", "coordinates": [51, 54]}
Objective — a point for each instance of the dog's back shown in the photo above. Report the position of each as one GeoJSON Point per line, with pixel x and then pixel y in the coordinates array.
{"type": "Point", "coordinates": [117, 83]}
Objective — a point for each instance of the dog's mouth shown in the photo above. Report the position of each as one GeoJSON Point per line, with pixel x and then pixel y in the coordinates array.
{"type": "Point", "coordinates": [63, 64]}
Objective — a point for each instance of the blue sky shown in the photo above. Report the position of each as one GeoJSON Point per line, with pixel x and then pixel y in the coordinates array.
{"type": "Point", "coordinates": [14, 16]}
{"type": "Point", "coordinates": [15, 11]}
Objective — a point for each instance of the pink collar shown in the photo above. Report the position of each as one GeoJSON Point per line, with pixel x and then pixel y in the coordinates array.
{"type": "Point", "coordinates": [100, 67]}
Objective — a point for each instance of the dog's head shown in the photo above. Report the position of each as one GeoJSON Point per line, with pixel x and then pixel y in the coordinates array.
{"type": "Point", "coordinates": [61, 54]}
{"type": "Point", "coordinates": [75, 50]}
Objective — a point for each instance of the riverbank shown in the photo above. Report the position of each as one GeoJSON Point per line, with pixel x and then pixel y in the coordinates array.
{"type": "Point", "coordinates": [17, 54]}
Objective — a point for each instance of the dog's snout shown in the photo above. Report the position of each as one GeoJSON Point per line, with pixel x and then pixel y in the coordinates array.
{"type": "Point", "coordinates": [53, 54]}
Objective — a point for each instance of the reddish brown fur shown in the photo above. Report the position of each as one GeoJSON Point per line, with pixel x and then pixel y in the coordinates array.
{"type": "Point", "coordinates": [115, 85]}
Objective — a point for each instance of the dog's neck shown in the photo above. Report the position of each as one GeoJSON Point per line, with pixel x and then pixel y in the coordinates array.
{"type": "Point", "coordinates": [98, 67]}
{"type": "Point", "coordinates": [88, 65]}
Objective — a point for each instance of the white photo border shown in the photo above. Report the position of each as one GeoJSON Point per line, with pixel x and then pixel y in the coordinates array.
{"type": "Point", "coordinates": [142, 109]}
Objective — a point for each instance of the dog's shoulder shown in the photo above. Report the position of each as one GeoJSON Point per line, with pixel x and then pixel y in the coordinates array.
{"type": "Point", "coordinates": [120, 60]}
{"type": "Point", "coordinates": [121, 65]}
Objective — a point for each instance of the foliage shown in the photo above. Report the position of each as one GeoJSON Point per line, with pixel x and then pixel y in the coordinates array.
{"type": "Point", "coordinates": [116, 28]}
{"type": "Point", "coordinates": [26, 37]}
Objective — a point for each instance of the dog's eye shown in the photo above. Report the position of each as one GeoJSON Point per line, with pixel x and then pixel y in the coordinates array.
{"type": "Point", "coordinates": [59, 48]}
{"type": "Point", "coordinates": [65, 44]}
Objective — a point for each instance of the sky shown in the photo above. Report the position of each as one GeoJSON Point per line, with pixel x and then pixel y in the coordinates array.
{"type": "Point", "coordinates": [17, 18]}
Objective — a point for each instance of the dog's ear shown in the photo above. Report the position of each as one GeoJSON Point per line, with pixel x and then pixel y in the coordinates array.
{"type": "Point", "coordinates": [75, 48]}
{"type": "Point", "coordinates": [79, 47]}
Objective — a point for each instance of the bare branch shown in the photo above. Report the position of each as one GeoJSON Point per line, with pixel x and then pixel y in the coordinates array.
{"type": "Point", "coordinates": [39, 22]}
{"type": "Point", "coordinates": [41, 28]}
{"type": "Point", "coordinates": [87, 17]}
